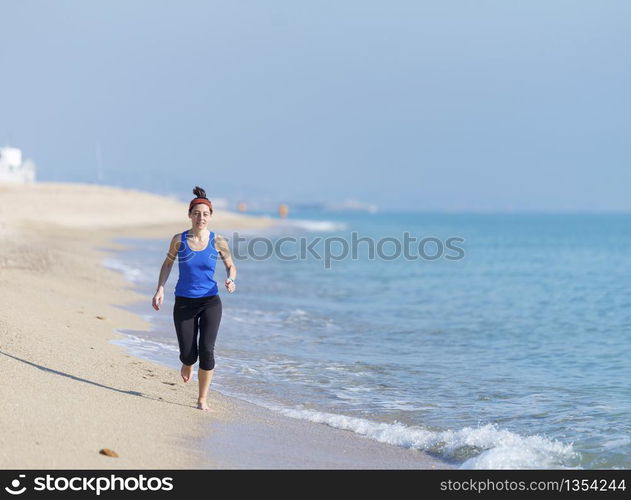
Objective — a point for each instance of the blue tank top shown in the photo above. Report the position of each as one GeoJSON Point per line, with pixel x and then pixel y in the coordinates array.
{"type": "Point", "coordinates": [196, 269]}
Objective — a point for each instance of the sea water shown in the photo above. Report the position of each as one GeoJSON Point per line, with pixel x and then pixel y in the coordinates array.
{"type": "Point", "coordinates": [511, 351]}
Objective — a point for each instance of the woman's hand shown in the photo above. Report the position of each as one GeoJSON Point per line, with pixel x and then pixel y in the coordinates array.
{"type": "Point", "coordinates": [158, 298]}
{"type": "Point", "coordinates": [230, 286]}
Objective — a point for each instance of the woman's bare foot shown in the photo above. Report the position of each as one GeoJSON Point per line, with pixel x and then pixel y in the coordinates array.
{"type": "Point", "coordinates": [186, 372]}
{"type": "Point", "coordinates": [201, 405]}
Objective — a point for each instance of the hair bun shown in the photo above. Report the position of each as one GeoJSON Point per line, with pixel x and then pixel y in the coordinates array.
{"type": "Point", "coordinates": [199, 192]}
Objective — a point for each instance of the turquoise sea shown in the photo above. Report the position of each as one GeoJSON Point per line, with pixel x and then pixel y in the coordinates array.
{"type": "Point", "coordinates": [513, 354]}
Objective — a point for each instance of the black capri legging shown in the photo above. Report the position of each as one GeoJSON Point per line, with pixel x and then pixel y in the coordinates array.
{"type": "Point", "coordinates": [193, 316]}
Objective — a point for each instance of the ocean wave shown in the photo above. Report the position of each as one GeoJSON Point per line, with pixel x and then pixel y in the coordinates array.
{"type": "Point", "coordinates": [485, 447]}
{"type": "Point", "coordinates": [298, 318]}
{"type": "Point", "coordinates": [320, 226]}
{"type": "Point", "coordinates": [130, 273]}
{"type": "Point", "coordinates": [145, 348]}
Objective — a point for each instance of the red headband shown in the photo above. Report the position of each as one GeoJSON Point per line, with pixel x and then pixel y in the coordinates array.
{"type": "Point", "coordinates": [197, 201]}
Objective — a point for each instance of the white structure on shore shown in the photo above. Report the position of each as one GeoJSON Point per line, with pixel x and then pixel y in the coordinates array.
{"type": "Point", "coordinates": [12, 169]}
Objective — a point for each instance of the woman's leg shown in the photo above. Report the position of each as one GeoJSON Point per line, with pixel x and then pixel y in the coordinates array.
{"type": "Point", "coordinates": [186, 325]}
{"type": "Point", "coordinates": [209, 321]}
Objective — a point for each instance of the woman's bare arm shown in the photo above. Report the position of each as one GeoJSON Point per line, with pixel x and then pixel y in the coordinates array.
{"type": "Point", "coordinates": [221, 244]}
{"type": "Point", "coordinates": [165, 270]}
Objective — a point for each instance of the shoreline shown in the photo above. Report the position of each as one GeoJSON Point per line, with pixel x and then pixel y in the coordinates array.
{"type": "Point", "coordinates": [252, 440]}
{"type": "Point", "coordinates": [74, 391]}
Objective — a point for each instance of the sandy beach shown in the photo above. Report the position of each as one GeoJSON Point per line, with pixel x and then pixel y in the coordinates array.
{"type": "Point", "coordinates": [68, 392]}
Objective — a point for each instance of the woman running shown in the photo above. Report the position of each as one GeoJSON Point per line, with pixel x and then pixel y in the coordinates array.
{"type": "Point", "coordinates": [197, 309]}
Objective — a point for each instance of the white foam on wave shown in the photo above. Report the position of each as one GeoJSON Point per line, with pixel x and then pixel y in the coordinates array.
{"type": "Point", "coordinates": [298, 312]}
{"type": "Point", "coordinates": [617, 442]}
{"type": "Point", "coordinates": [130, 273]}
{"type": "Point", "coordinates": [320, 226]}
{"type": "Point", "coordinates": [144, 347]}
{"type": "Point", "coordinates": [496, 448]}
{"type": "Point", "coordinates": [290, 316]}
{"type": "Point", "coordinates": [253, 316]}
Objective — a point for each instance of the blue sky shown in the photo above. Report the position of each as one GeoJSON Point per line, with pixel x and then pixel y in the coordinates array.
{"type": "Point", "coordinates": [414, 105]}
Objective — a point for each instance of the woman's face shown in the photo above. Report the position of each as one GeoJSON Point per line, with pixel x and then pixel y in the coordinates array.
{"type": "Point", "coordinates": [199, 216]}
